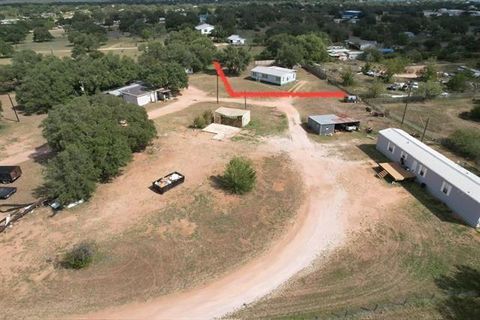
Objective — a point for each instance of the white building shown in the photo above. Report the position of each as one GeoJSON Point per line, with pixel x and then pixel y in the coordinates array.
{"type": "Point", "coordinates": [450, 183]}
{"type": "Point", "coordinates": [275, 75]}
{"type": "Point", "coordinates": [232, 117]}
{"type": "Point", "coordinates": [235, 39]}
{"type": "Point", "coordinates": [140, 95]}
{"type": "Point", "coordinates": [205, 28]}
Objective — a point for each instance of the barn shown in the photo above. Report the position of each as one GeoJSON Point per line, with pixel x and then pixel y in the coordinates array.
{"type": "Point", "coordinates": [452, 184]}
{"type": "Point", "coordinates": [327, 124]}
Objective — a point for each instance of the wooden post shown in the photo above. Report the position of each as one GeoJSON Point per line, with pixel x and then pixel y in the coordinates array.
{"type": "Point", "coordinates": [245, 99]}
{"type": "Point", "coordinates": [217, 88]}
{"type": "Point", "coordinates": [406, 104]}
{"type": "Point", "coordinates": [13, 107]}
{"type": "Point", "coordinates": [425, 129]}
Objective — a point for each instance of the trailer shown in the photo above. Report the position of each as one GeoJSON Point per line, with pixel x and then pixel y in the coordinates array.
{"type": "Point", "coordinates": [168, 182]}
{"type": "Point", "coordinates": [9, 174]}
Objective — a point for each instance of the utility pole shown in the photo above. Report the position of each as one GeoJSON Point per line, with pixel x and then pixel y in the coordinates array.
{"type": "Point", "coordinates": [425, 129]}
{"type": "Point", "coordinates": [13, 107]}
{"type": "Point", "coordinates": [406, 104]}
{"type": "Point", "coordinates": [245, 99]}
{"type": "Point", "coordinates": [217, 88]}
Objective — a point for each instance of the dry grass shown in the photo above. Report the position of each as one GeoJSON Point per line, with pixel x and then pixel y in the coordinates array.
{"type": "Point", "coordinates": [202, 234]}
{"type": "Point", "coordinates": [391, 267]}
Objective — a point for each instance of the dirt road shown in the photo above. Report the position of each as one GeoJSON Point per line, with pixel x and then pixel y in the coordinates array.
{"type": "Point", "coordinates": [318, 228]}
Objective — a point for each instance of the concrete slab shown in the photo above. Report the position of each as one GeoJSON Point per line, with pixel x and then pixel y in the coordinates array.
{"type": "Point", "coordinates": [221, 131]}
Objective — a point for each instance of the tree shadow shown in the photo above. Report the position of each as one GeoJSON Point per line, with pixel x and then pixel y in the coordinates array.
{"type": "Point", "coordinates": [217, 182]}
{"type": "Point", "coordinates": [42, 154]}
{"type": "Point", "coordinates": [462, 291]}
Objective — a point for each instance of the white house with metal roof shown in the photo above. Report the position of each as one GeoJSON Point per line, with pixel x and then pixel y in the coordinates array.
{"type": "Point", "coordinates": [139, 94]}
{"type": "Point", "coordinates": [275, 75]}
{"type": "Point", "coordinates": [235, 39]}
{"type": "Point", "coordinates": [452, 184]}
{"type": "Point", "coordinates": [205, 28]}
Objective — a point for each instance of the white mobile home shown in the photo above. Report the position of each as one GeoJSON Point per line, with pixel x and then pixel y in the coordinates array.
{"type": "Point", "coordinates": [140, 95]}
{"type": "Point", "coordinates": [275, 75]}
{"type": "Point", "coordinates": [452, 184]}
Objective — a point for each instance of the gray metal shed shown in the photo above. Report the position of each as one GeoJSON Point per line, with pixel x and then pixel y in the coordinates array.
{"type": "Point", "coordinates": [326, 124]}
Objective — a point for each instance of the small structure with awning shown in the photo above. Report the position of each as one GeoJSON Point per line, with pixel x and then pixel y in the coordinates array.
{"type": "Point", "coordinates": [231, 117]}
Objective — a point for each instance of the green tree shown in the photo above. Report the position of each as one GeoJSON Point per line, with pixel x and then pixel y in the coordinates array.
{"type": "Point", "coordinates": [430, 70]}
{"type": "Point", "coordinates": [234, 59]}
{"type": "Point", "coordinates": [376, 89]}
{"type": "Point", "coordinates": [393, 66]}
{"type": "Point", "coordinates": [348, 79]}
{"type": "Point", "coordinates": [41, 34]}
{"type": "Point", "coordinates": [23, 61]}
{"type": "Point", "coordinates": [239, 176]}
{"type": "Point", "coordinates": [458, 82]}
{"type": "Point", "coordinates": [48, 83]}
{"type": "Point", "coordinates": [83, 43]}
{"type": "Point", "coordinates": [289, 55]}
{"type": "Point", "coordinates": [70, 176]}
{"type": "Point", "coordinates": [80, 256]}
{"type": "Point", "coordinates": [7, 79]}
{"type": "Point", "coordinates": [6, 49]}
{"type": "Point", "coordinates": [475, 112]}
{"type": "Point", "coordinates": [166, 75]}
{"type": "Point", "coordinates": [314, 47]}
{"type": "Point", "coordinates": [430, 89]}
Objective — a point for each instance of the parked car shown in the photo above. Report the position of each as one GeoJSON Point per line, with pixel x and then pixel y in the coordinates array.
{"type": "Point", "coordinates": [9, 174]}
{"type": "Point", "coordinates": [168, 182]}
{"type": "Point", "coordinates": [7, 192]}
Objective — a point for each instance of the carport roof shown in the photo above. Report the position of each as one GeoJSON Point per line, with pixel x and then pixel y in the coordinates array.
{"type": "Point", "coordinates": [231, 112]}
{"type": "Point", "coordinates": [326, 119]}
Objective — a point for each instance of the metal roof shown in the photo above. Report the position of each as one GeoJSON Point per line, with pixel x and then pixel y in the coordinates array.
{"type": "Point", "coordinates": [234, 37]}
{"type": "Point", "coordinates": [461, 178]}
{"type": "Point", "coordinates": [137, 91]}
{"type": "Point", "coordinates": [204, 26]}
{"type": "Point", "coordinates": [326, 119]}
{"type": "Point", "coordinates": [232, 112]}
{"type": "Point", "coordinates": [274, 71]}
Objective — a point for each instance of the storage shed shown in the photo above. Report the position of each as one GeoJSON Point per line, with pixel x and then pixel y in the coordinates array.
{"type": "Point", "coordinates": [235, 39]}
{"type": "Point", "coordinates": [232, 117]}
{"type": "Point", "coordinates": [452, 184]}
{"type": "Point", "coordinates": [275, 75]}
{"type": "Point", "coordinates": [327, 124]}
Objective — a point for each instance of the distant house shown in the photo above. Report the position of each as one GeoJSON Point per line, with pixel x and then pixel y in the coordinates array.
{"type": "Point", "coordinates": [327, 124]}
{"type": "Point", "coordinates": [231, 117]}
{"type": "Point", "coordinates": [452, 184]}
{"type": "Point", "coordinates": [140, 95]}
{"type": "Point", "coordinates": [235, 39]}
{"type": "Point", "coordinates": [351, 14]}
{"type": "Point", "coordinates": [275, 75]}
{"type": "Point", "coordinates": [205, 28]}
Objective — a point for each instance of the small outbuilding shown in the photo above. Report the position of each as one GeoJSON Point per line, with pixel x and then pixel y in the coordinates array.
{"type": "Point", "coordinates": [275, 75]}
{"type": "Point", "coordinates": [327, 124]}
{"type": "Point", "coordinates": [236, 40]}
{"type": "Point", "coordinates": [140, 95]}
{"type": "Point", "coordinates": [231, 117]}
{"type": "Point", "coordinates": [205, 28]}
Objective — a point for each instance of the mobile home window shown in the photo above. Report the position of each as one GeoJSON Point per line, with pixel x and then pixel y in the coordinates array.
{"type": "Point", "coordinates": [446, 188]}
{"type": "Point", "coordinates": [391, 147]}
{"type": "Point", "coordinates": [404, 155]}
{"type": "Point", "coordinates": [422, 170]}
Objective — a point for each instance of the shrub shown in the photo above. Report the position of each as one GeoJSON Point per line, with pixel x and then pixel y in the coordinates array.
{"type": "Point", "coordinates": [465, 142]}
{"type": "Point", "coordinates": [239, 176]}
{"type": "Point", "coordinates": [348, 78]}
{"type": "Point", "coordinates": [199, 122]}
{"type": "Point", "coordinates": [80, 256]}
{"type": "Point", "coordinates": [475, 113]}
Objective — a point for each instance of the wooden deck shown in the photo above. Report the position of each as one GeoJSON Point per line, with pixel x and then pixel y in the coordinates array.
{"type": "Point", "coordinates": [394, 170]}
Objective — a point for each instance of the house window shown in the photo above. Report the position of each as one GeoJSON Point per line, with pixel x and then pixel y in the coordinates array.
{"type": "Point", "coordinates": [391, 147]}
{"type": "Point", "coordinates": [446, 188]}
{"type": "Point", "coordinates": [422, 170]}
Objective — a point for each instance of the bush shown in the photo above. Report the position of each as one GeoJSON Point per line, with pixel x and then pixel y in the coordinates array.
{"type": "Point", "coordinates": [465, 142]}
{"type": "Point", "coordinates": [199, 122]}
{"type": "Point", "coordinates": [348, 78]}
{"type": "Point", "coordinates": [204, 120]}
{"type": "Point", "coordinates": [239, 176]}
{"type": "Point", "coordinates": [80, 256]}
{"type": "Point", "coordinates": [475, 113]}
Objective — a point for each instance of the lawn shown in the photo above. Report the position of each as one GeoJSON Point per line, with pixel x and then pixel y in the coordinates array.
{"type": "Point", "coordinates": [414, 263]}
{"type": "Point", "coordinates": [264, 120]}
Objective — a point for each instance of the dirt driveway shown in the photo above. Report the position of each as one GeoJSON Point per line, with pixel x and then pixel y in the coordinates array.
{"type": "Point", "coordinates": [321, 226]}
